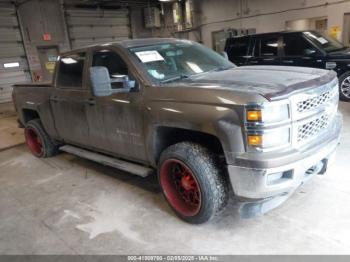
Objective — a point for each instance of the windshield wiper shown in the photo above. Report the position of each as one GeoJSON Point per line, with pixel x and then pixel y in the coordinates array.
{"type": "Point", "coordinates": [178, 77]}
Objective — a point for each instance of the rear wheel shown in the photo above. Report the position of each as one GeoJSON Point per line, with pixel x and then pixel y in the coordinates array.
{"type": "Point", "coordinates": [344, 86]}
{"type": "Point", "coordinates": [192, 183]}
{"type": "Point", "coordinates": [38, 141]}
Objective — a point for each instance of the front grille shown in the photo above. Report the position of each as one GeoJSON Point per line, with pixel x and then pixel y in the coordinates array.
{"type": "Point", "coordinates": [315, 101]}
{"type": "Point", "coordinates": [312, 128]}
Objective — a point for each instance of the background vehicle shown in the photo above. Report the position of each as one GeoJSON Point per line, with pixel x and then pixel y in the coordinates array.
{"type": "Point", "coordinates": [305, 48]}
{"type": "Point", "coordinates": [178, 107]}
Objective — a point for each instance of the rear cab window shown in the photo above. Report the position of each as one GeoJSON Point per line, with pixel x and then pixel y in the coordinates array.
{"type": "Point", "coordinates": [71, 70]}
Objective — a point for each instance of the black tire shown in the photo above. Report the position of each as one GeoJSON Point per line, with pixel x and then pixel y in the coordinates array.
{"type": "Point", "coordinates": [207, 176]}
{"type": "Point", "coordinates": [38, 141]}
{"type": "Point", "coordinates": [344, 79]}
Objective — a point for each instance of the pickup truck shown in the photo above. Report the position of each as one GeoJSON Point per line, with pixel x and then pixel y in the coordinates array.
{"type": "Point", "coordinates": [209, 128]}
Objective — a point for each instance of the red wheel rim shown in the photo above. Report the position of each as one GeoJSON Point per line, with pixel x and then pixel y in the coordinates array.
{"type": "Point", "coordinates": [180, 187]}
{"type": "Point", "coordinates": [34, 142]}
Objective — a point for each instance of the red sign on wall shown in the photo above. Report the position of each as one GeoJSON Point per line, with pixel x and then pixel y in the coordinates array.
{"type": "Point", "coordinates": [47, 37]}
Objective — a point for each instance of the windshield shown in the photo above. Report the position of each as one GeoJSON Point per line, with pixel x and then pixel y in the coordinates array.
{"type": "Point", "coordinates": [172, 61]}
{"type": "Point", "coordinates": [325, 42]}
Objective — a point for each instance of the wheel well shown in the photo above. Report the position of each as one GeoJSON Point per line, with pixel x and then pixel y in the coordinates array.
{"type": "Point", "coordinates": [167, 136]}
{"type": "Point", "coordinates": [29, 114]}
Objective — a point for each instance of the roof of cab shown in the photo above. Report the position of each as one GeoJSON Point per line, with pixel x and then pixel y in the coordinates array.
{"type": "Point", "coordinates": [129, 43]}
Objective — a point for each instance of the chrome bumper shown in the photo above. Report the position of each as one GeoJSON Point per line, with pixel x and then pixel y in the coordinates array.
{"type": "Point", "coordinates": [255, 184]}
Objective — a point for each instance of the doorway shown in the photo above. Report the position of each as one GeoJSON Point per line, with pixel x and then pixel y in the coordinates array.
{"type": "Point", "coordinates": [48, 57]}
{"type": "Point", "coordinates": [346, 30]}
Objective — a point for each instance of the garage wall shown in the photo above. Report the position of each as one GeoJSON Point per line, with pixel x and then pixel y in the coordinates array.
{"type": "Point", "coordinates": [266, 15]}
{"type": "Point", "coordinates": [87, 27]}
{"type": "Point", "coordinates": [13, 63]}
{"type": "Point", "coordinates": [40, 19]}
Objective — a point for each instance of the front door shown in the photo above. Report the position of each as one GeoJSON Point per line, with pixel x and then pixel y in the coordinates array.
{"type": "Point", "coordinates": [116, 121]}
{"type": "Point", "coordinates": [68, 100]}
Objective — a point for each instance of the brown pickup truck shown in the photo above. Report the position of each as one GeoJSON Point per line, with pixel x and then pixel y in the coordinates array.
{"type": "Point", "coordinates": [207, 126]}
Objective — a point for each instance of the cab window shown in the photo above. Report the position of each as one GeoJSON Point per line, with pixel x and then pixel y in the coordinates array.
{"type": "Point", "coordinates": [295, 45]}
{"type": "Point", "coordinates": [266, 47]}
{"type": "Point", "coordinates": [113, 62]}
{"type": "Point", "coordinates": [71, 68]}
{"type": "Point", "coordinates": [237, 47]}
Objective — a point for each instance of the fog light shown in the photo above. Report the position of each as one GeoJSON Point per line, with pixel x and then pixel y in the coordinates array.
{"type": "Point", "coordinates": [254, 140]}
{"type": "Point", "coordinates": [279, 177]}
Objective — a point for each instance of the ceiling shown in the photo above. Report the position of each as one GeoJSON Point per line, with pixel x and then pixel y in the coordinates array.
{"type": "Point", "coordinates": [95, 3]}
{"type": "Point", "coordinates": [109, 3]}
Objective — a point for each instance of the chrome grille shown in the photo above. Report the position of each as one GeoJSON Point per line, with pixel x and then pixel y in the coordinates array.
{"type": "Point", "coordinates": [315, 101]}
{"type": "Point", "coordinates": [312, 128]}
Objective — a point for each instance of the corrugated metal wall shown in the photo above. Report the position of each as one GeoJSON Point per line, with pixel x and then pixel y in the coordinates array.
{"type": "Point", "coordinates": [86, 27]}
{"type": "Point", "coordinates": [13, 63]}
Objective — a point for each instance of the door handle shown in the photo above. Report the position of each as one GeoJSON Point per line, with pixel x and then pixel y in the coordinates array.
{"type": "Point", "coordinates": [90, 102]}
{"type": "Point", "coordinates": [254, 62]}
{"type": "Point", "coordinates": [268, 59]}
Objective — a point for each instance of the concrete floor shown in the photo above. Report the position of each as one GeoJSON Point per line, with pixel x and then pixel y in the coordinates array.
{"type": "Point", "coordinates": [67, 205]}
{"type": "Point", "coordinates": [10, 134]}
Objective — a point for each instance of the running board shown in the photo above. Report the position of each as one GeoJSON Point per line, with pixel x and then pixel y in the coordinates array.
{"type": "Point", "coordinates": [108, 161]}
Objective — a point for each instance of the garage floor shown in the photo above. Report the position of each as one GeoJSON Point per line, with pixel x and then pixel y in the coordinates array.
{"type": "Point", "coordinates": [10, 134]}
{"type": "Point", "coordinates": [67, 205]}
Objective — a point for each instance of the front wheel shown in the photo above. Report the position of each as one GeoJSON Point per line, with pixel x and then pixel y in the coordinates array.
{"type": "Point", "coordinates": [192, 183]}
{"type": "Point", "coordinates": [344, 87]}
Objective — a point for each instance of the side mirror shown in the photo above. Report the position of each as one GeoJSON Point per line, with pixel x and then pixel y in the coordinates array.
{"type": "Point", "coordinates": [309, 51]}
{"type": "Point", "coordinates": [102, 83]}
{"type": "Point", "coordinates": [224, 54]}
{"type": "Point", "coordinates": [124, 80]}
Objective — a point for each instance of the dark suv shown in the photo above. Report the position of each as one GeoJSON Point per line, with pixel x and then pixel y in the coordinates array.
{"type": "Point", "coordinates": [302, 48]}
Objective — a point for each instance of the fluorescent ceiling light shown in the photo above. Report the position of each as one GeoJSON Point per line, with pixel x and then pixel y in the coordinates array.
{"type": "Point", "coordinates": [69, 60]}
{"type": "Point", "coordinates": [11, 65]}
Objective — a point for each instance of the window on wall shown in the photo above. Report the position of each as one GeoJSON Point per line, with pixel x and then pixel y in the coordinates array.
{"type": "Point", "coordinates": [219, 40]}
{"type": "Point", "coordinates": [71, 69]}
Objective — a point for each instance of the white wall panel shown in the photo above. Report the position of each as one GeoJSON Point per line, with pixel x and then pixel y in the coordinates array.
{"type": "Point", "coordinates": [87, 27]}
{"type": "Point", "coordinates": [11, 54]}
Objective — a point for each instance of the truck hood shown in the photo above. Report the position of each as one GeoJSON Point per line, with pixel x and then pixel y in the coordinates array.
{"type": "Point", "coordinates": [272, 82]}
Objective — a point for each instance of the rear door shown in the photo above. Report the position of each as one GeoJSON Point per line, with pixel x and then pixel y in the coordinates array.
{"type": "Point", "coordinates": [69, 98]}
{"type": "Point", "coordinates": [266, 50]}
{"type": "Point", "coordinates": [299, 51]}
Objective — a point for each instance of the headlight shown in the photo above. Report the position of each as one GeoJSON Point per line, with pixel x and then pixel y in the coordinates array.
{"type": "Point", "coordinates": [275, 138]}
{"type": "Point", "coordinates": [267, 125]}
{"type": "Point", "coordinates": [273, 112]}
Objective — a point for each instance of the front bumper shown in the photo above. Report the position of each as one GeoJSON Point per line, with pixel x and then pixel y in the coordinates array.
{"type": "Point", "coordinates": [254, 184]}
